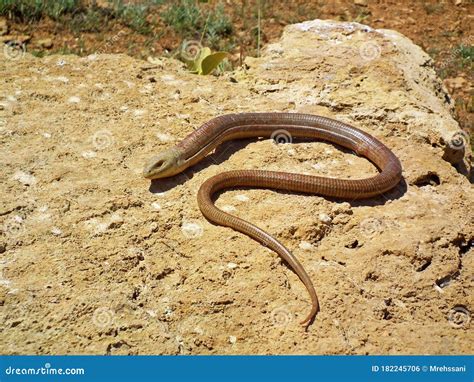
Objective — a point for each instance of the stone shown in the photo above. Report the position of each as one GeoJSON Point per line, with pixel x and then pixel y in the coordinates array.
{"type": "Point", "coordinates": [394, 270]}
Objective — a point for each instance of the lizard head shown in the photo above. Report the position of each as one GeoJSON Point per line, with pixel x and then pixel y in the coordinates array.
{"type": "Point", "coordinates": [165, 164]}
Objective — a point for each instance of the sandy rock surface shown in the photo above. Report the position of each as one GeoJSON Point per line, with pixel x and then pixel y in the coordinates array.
{"type": "Point", "coordinates": [95, 259]}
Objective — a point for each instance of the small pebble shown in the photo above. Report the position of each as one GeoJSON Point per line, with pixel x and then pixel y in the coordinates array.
{"type": "Point", "coordinates": [74, 99]}
{"type": "Point", "coordinates": [154, 227]}
{"type": "Point", "coordinates": [229, 208]}
{"type": "Point", "coordinates": [56, 231]}
{"type": "Point", "coordinates": [232, 339]}
{"type": "Point", "coordinates": [164, 137]}
{"type": "Point", "coordinates": [24, 178]}
{"type": "Point", "coordinates": [62, 79]}
{"type": "Point", "coordinates": [324, 218]}
{"type": "Point", "coordinates": [156, 205]}
{"type": "Point", "coordinates": [232, 265]}
{"type": "Point", "coordinates": [89, 154]}
{"type": "Point", "coordinates": [305, 245]}
{"type": "Point", "coordinates": [18, 219]}
{"type": "Point", "coordinates": [139, 112]}
{"type": "Point", "coordinates": [168, 78]}
{"type": "Point", "coordinates": [152, 313]}
{"type": "Point", "coordinates": [242, 198]}
{"type": "Point", "coordinates": [192, 229]}
{"type": "Point", "coordinates": [318, 166]}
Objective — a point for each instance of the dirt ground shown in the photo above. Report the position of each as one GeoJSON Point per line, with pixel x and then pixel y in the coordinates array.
{"type": "Point", "coordinates": [96, 260]}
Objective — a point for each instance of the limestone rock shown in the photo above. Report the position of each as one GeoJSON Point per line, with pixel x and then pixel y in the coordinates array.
{"type": "Point", "coordinates": [393, 273]}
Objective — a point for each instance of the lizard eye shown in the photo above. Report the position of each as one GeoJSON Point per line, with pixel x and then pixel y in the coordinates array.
{"type": "Point", "coordinates": [159, 163]}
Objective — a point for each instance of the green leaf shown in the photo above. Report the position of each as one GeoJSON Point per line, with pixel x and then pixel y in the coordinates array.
{"type": "Point", "coordinates": [204, 52]}
{"type": "Point", "coordinates": [210, 62]}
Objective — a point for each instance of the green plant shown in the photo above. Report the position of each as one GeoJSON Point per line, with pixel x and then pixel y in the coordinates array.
{"type": "Point", "coordinates": [466, 53]}
{"type": "Point", "coordinates": [362, 16]}
{"type": "Point", "coordinates": [92, 20]}
{"type": "Point", "coordinates": [217, 25]}
{"type": "Point", "coordinates": [205, 61]}
{"type": "Point", "coordinates": [38, 53]}
{"type": "Point", "coordinates": [30, 10]}
{"type": "Point", "coordinates": [184, 16]}
{"type": "Point", "coordinates": [82, 18]}
{"type": "Point", "coordinates": [188, 19]}
{"type": "Point", "coordinates": [56, 9]}
{"type": "Point", "coordinates": [133, 16]}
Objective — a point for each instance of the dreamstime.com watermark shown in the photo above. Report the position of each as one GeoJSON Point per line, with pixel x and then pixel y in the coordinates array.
{"type": "Point", "coordinates": [109, 43]}
{"type": "Point", "coordinates": [44, 370]}
{"type": "Point", "coordinates": [457, 51]}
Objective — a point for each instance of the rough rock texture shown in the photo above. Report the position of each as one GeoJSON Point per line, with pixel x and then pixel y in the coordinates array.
{"type": "Point", "coordinates": [94, 259]}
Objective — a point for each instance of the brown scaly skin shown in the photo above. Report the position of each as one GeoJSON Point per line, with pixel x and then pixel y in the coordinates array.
{"type": "Point", "coordinates": [235, 126]}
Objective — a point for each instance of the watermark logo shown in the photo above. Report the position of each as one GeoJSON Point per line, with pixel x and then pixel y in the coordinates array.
{"type": "Point", "coordinates": [456, 52]}
{"type": "Point", "coordinates": [14, 50]}
{"type": "Point", "coordinates": [370, 50]}
{"type": "Point", "coordinates": [13, 226]}
{"type": "Point", "coordinates": [370, 227]}
{"type": "Point", "coordinates": [102, 139]}
{"type": "Point", "coordinates": [47, 369]}
{"type": "Point", "coordinates": [190, 49]}
{"type": "Point", "coordinates": [281, 136]}
{"type": "Point", "coordinates": [192, 229]}
{"type": "Point", "coordinates": [459, 140]}
{"type": "Point", "coordinates": [459, 317]}
{"type": "Point", "coordinates": [103, 317]}
{"type": "Point", "coordinates": [281, 317]}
